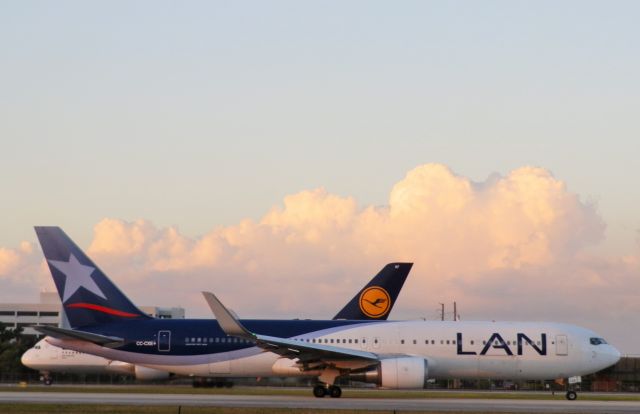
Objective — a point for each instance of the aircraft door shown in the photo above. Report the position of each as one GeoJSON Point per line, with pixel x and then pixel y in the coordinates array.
{"type": "Point", "coordinates": [164, 341]}
{"type": "Point", "coordinates": [562, 345]}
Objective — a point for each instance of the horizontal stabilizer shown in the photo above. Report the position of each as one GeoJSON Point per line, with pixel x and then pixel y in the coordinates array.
{"type": "Point", "coordinates": [70, 334]}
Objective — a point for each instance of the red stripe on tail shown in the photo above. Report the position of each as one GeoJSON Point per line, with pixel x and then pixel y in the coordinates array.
{"type": "Point", "coordinates": [102, 309]}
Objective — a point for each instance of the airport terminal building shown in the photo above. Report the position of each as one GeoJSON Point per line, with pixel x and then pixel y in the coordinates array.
{"type": "Point", "coordinates": [48, 312]}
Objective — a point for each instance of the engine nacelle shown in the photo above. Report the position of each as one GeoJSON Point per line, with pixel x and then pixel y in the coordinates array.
{"type": "Point", "coordinates": [150, 374]}
{"type": "Point", "coordinates": [401, 372]}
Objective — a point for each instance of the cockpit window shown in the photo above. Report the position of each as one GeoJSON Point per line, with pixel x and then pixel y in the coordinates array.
{"type": "Point", "coordinates": [597, 341]}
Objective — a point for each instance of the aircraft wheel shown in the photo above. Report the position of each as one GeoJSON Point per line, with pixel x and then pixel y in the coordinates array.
{"type": "Point", "coordinates": [319, 391]}
{"type": "Point", "coordinates": [48, 381]}
{"type": "Point", "coordinates": [571, 395]}
{"type": "Point", "coordinates": [335, 392]}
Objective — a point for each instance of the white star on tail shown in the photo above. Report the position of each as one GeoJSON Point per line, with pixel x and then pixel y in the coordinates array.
{"type": "Point", "coordinates": [77, 275]}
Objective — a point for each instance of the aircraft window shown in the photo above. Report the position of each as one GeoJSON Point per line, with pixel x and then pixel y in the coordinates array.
{"type": "Point", "coordinates": [426, 342]}
{"type": "Point", "coordinates": [597, 341]}
{"type": "Point", "coordinates": [375, 341]}
{"type": "Point", "coordinates": [433, 342]}
{"type": "Point", "coordinates": [441, 342]}
{"type": "Point", "coordinates": [331, 340]}
{"type": "Point", "coordinates": [364, 341]}
{"type": "Point", "coordinates": [415, 342]}
{"type": "Point", "coordinates": [350, 341]}
{"type": "Point", "coordinates": [402, 341]}
{"type": "Point", "coordinates": [37, 346]}
{"type": "Point", "coordinates": [538, 343]}
{"type": "Point", "coordinates": [448, 342]}
{"type": "Point", "coordinates": [484, 342]}
{"type": "Point", "coordinates": [453, 342]}
{"type": "Point", "coordinates": [471, 342]}
{"type": "Point", "coordinates": [344, 341]}
{"type": "Point", "coordinates": [199, 339]}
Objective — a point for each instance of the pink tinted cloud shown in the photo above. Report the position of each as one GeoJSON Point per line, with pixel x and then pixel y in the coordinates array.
{"type": "Point", "coordinates": [452, 228]}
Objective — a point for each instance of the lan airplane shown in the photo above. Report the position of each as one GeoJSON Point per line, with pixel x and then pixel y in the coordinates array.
{"type": "Point", "coordinates": [48, 358]}
{"type": "Point", "coordinates": [390, 354]}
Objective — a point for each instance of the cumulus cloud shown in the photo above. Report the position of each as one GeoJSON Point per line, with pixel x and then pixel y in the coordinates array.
{"type": "Point", "coordinates": [510, 247]}
{"type": "Point", "coordinates": [458, 232]}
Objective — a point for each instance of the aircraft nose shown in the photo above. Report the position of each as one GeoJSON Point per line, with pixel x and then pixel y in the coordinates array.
{"type": "Point", "coordinates": [608, 356]}
{"type": "Point", "coordinates": [614, 355]}
{"type": "Point", "coordinates": [27, 358]}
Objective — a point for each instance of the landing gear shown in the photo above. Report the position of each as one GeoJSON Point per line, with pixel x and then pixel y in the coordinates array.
{"type": "Point", "coordinates": [46, 379]}
{"type": "Point", "coordinates": [335, 391]}
{"type": "Point", "coordinates": [571, 395]}
{"type": "Point", "coordinates": [320, 391]}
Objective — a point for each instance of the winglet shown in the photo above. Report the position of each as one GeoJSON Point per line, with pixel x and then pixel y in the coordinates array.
{"type": "Point", "coordinates": [229, 323]}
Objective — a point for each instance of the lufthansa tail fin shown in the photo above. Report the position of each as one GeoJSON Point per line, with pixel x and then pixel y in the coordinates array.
{"type": "Point", "coordinates": [88, 296]}
{"type": "Point", "coordinates": [377, 298]}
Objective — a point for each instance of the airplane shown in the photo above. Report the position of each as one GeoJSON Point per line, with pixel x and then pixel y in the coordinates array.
{"type": "Point", "coordinates": [390, 354]}
{"type": "Point", "coordinates": [48, 358]}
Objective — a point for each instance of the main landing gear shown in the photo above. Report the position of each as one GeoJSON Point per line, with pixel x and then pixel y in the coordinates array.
{"type": "Point", "coordinates": [571, 395]}
{"type": "Point", "coordinates": [320, 391]}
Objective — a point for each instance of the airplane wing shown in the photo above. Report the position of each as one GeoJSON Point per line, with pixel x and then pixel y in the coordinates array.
{"type": "Point", "coordinates": [61, 333]}
{"type": "Point", "coordinates": [305, 352]}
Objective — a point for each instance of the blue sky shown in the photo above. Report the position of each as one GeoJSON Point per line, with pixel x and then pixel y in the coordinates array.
{"type": "Point", "coordinates": [201, 114]}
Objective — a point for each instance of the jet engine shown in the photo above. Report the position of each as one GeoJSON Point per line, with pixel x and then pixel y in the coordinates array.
{"type": "Point", "coordinates": [150, 374]}
{"type": "Point", "coordinates": [401, 372]}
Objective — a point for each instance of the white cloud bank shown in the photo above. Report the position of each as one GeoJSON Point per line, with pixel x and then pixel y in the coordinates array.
{"type": "Point", "coordinates": [508, 248]}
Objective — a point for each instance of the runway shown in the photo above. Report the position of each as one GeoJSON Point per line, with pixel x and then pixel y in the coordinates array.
{"type": "Point", "coordinates": [435, 404]}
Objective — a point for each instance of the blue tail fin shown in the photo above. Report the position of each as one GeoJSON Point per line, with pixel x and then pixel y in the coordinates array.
{"type": "Point", "coordinates": [88, 296]}
{"type": "Point", "coordinates": [377, 298]}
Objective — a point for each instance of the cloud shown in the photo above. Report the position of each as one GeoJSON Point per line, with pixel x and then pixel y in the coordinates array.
{"type": "Point", "coordinates": [453, 229]}
{"type": "Point", "coordinates": [511, 247]}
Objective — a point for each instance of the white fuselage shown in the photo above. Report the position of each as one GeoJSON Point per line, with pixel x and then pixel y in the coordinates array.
{"type": "Point", "coordinates": [48, 358]}
{"type": "Point", "coordinates": [497, 350]}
